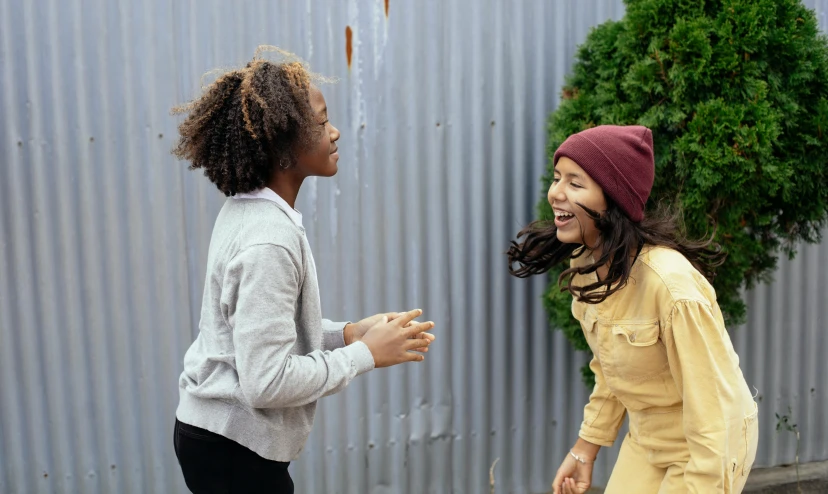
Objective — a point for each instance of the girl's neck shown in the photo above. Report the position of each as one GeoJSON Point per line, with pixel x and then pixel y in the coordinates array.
{"type": "Point", "coordinates": [287, 185]}
{"type": "Point", "coordinates": [603, 271]}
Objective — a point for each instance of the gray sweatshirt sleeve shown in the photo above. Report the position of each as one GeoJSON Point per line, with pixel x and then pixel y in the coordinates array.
{"type": "Point", "coordinates": [264, 333]}
{"type": "Point", "coordinates": [333, 334]}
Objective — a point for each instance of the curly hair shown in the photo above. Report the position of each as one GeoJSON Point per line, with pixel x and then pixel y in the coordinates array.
{"type": "Point", "coordinates": [248, 122]}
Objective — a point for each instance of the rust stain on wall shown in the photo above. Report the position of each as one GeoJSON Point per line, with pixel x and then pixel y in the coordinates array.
{"type": "Point", "coordinates": [349, 47]}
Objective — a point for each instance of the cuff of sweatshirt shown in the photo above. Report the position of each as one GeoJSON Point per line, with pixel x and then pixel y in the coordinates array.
{"type": "Point", "coordinates": [361, 358]}
{"type": "Point", "coordinates": [333, 334]}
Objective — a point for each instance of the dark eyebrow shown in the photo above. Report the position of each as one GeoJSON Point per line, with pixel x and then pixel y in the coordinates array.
{"type": "Point", "coordinates": [570, 175]}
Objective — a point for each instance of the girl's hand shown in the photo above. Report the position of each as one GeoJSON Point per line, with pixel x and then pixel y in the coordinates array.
{"type": "Point", "coordinates": [573, 477]}
{"type": "Point", "coordinates": [392, 342]}
{"type": "Point", "coordinates": [355, 331]}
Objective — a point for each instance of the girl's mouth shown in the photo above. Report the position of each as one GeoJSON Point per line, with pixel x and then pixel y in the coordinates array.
{"type": "Point", "coordinates": [563, 218]}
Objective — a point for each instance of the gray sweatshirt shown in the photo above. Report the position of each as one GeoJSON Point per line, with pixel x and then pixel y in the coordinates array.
{"type": "Point", "coordinates": [263, 355]}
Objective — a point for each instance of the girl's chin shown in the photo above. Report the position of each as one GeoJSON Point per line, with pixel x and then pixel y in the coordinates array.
{"type": "Point", "coordinates": [331, 170]}
{"type": "Point", "coordinates": [569, 237]}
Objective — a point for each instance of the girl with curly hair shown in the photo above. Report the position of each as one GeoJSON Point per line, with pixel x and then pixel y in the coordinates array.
{"type": "Point", "coordinates": [264, 355]}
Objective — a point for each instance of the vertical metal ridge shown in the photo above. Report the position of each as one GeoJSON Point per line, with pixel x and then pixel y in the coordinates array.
{"type": "Point", "coordinates": [14, 471]}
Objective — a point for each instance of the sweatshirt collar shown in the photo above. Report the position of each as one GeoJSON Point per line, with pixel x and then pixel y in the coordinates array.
{"type": "Point", "coordinates": [270, 195]}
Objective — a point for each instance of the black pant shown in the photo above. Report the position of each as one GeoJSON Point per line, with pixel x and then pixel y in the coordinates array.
{"type": "Point", "coordinates": [214, 464]}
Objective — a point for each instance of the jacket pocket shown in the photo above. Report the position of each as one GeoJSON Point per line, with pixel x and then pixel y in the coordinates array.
{"type": "Point", "coordinates": [637, 334]}
{"type": "Point", "coordinates": [743, 442]}
{"type": "Point", "coordinates": [637, 353]}
{"type": "Point", "coordinates": [750, 440]}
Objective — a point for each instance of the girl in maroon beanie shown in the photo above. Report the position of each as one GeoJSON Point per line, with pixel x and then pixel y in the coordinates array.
{"type": "Point", "coordinates": [642, 294]}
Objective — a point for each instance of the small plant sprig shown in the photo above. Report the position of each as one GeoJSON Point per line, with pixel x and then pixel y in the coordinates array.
{"type": "Point", "coordinates": [783, 422]}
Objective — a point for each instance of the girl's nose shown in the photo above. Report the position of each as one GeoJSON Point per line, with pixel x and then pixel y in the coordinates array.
{"type": "Point", "coordinates": [554, 193]}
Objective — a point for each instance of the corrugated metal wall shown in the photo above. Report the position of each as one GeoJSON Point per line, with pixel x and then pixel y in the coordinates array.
{"type": "Point", "coordinates": [442, 112]}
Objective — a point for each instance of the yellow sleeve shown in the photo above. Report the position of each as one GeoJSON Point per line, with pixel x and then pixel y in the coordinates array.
{"type": "Point", "coordinates": [604, 414]}
{"type": "Point", "coordinates": [706, 372]}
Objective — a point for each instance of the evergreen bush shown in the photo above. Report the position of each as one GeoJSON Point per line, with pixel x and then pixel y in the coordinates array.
{"type": "Point", "coordinates": [736, 94]}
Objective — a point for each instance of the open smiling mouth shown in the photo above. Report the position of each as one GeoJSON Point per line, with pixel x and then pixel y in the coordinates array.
{"type": "Point", "coordinates": [563, 218]}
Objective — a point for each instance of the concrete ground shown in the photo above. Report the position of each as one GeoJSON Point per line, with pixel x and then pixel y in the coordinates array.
{"type": "Point", "coordinates": [813, 479]}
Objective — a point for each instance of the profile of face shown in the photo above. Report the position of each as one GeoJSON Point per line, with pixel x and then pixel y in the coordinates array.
{"type": "Point", "coordinates": [320, 158]}
{"type": "Point", "coordinates": [572, 186]}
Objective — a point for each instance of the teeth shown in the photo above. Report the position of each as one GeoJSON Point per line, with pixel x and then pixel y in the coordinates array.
{"type": "Point", "coordinates": [562, 215]}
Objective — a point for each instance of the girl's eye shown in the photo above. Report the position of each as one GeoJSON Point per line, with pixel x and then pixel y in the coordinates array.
{"type": "Point", "coordinates": [556, 180]}
{"type": "Point", "coordinates": [576, 185]}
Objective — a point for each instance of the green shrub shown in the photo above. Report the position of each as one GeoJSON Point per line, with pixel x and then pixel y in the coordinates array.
{"type": "Point", "coordinates": [736, 94]}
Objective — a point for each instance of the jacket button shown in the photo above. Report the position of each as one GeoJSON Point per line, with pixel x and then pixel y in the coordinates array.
{"type": "Point", "coordinates": [632, 337]}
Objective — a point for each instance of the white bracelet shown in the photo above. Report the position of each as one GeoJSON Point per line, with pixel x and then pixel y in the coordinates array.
{"type": "Point", "coordinates": [579, 459]}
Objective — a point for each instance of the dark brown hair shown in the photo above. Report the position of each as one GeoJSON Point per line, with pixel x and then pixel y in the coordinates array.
{"type": "Point", "coordinates": [248, 122]}
{"type": "Point", "coordinates": [621, 240]}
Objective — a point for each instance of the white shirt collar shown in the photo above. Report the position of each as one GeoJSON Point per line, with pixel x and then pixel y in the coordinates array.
{"type": "Point", "coordinates": [267, 193]}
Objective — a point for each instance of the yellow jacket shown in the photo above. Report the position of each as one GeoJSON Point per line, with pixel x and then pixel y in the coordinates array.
{"type": "Point", "coordinates": [662, 353]}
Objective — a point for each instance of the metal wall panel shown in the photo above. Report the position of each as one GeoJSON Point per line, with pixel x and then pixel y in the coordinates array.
{"type": "Point", "coordinates": [442, 112]}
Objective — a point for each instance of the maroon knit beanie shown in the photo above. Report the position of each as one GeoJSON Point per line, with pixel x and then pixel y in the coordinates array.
{"type": "Point", "coordinates": [620, 159]}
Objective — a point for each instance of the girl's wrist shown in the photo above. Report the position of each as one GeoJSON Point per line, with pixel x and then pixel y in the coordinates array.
{"type": "Point", "coordinates": [582, 459]}
{"type": "Point", "coordinates": [586, 450]}
{"type": "Point", "coordinates": [348, 334]}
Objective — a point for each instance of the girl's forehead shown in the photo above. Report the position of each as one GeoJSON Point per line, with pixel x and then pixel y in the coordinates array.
{"type": "Point", "coordinates": [317, 99]}
{"type": "Point", "coordinates": [568, 165]}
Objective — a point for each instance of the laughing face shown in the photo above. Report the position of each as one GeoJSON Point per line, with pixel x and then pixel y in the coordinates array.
{"type": "Point", "coordinates": [572, 186]}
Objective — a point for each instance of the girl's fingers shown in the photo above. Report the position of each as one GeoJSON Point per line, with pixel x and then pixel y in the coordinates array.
{"type": "Point", "coordinates": [415, 329]}
{"type": "Point", "coordinates": [427, 337]}
{"type": "Point", "coordinates": [407, 317]}
{"type": "Point", "coordinates": [422, 349]}
{"type": "Point", "coordinates": [415, 343]}
{"type": "Point", "coordinates": [559, 483]}
{"type": "Point", "coordinates": [556, 484]}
